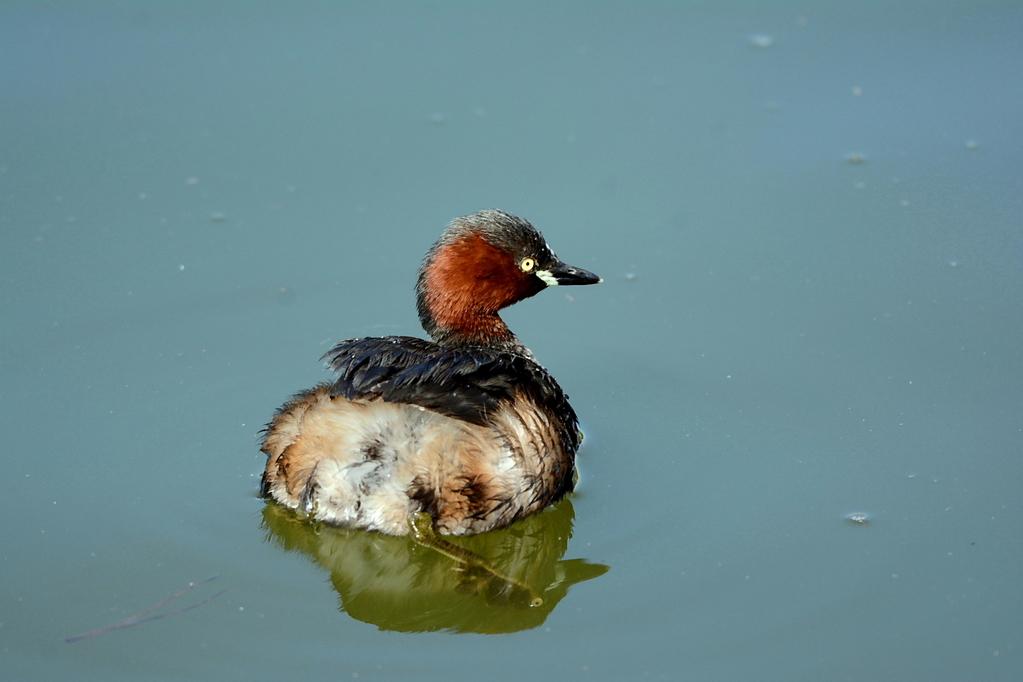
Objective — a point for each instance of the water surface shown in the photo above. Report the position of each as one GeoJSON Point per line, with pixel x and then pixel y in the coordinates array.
{"type": "Point", "coordinates": [807, 218]}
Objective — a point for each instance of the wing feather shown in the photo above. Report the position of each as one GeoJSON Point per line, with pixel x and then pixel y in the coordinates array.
{"type": "Point", "coordinates": [467, 383]}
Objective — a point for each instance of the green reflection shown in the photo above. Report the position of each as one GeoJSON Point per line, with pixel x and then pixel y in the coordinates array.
{"type": "Point", "coordinates": [502, 581]}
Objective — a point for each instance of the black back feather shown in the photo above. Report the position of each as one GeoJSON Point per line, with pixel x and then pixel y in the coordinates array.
{"type": "Point", "coordinates": [464, 382]}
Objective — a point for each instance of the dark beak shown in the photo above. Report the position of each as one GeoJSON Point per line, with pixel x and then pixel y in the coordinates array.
{"type": "Point", "coordinates": [566, 274]}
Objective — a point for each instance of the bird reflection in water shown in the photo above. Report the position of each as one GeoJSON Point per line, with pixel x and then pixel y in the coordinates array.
{"type": "Point", "coordinates": [502, 581]}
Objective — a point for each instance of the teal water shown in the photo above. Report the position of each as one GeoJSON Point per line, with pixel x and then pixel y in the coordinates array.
{"type": "Point", "coordinates": [807, 216]}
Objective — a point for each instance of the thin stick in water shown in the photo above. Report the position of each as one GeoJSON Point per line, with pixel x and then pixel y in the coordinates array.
{"type": "Point", "coordinates": [143, 616]}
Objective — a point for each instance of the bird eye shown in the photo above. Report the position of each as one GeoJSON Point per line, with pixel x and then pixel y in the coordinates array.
{"type": "Point", "coordinates": [527, 264]}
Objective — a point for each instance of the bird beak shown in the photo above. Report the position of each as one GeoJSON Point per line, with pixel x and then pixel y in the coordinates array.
{"type": "Point", "coordinates": [564, 274]}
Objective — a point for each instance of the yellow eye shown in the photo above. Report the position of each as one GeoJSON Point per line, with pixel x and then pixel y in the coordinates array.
{"type": "Point", "coordinates": [527, 264]}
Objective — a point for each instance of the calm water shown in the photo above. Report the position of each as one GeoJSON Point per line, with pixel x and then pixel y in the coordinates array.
{"type": "Point", "coordinates": [808, 220]}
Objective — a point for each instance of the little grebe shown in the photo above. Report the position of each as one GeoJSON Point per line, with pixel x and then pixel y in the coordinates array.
{"type": "Point", "coordinates": [467, 428]}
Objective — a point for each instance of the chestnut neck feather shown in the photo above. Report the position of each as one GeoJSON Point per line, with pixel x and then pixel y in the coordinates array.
{"type": "Point", "coordinates": [462, 286]}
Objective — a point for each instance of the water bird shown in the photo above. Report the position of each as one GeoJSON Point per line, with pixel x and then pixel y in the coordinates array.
{"type": "Point", "coordinates": [459, 434]}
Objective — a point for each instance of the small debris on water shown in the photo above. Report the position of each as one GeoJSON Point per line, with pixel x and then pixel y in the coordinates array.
{"type": "Point", "coordinates": [181, 268]}
{"type": "Point", "coordinates": [972, 144]}
{"type": "Point", "coordinates": [855, 158]}
{"type": "Point", "coordinates": [858, 518]}
{"type": "Point", "coordinates": [630, 276]}
{"type": "Point", "coordinates": [761, 40]}
{"type": "Point", "coordinates": [155, 612]}
{"type": "Point", "coordinates": [218, 217]}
